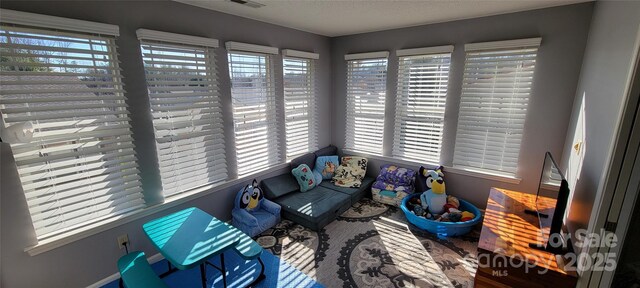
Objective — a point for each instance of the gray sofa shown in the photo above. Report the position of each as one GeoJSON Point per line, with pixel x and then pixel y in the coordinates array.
{"type": "Point", "coordinates": [321, 205]}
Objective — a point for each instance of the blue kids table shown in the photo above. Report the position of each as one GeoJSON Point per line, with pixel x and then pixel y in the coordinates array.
{"type": "Point", "coordinates": [189, 237]}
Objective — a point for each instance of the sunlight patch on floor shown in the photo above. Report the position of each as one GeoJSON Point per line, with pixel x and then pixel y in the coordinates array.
{"type": "Point", "coordinates": [408, 253]}
{"type": "Point", "coordinates": [300, 256]}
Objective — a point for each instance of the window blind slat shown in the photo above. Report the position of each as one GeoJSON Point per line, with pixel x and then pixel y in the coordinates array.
{"type": "Point", "coordinates": [495, 93]}
{"type": "Point", "coordinates": [422, 93]}
{"type": "Point", "coordinates": [187, 118]}
{"type": "Point", "coordinates": [366, 93]}
{"type": "Point", "coordinates": [69, 86]}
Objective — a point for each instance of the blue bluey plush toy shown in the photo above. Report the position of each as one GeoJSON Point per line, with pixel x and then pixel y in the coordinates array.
{"type": "Point", "coordinates": [435, 198]}
{"type": "Point", "coordinates": [252, 213]}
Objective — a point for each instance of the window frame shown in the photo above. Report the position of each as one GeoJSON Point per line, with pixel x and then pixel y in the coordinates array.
{"type": "Point", "coordinates": [310, 93]}
{"type": "Point", "coordinates": [352, 109]}
{"type": "Point", "coordinates": [247, 166]}
{"type": "Point", "coordinates": [196, 56]}
{"type": "Point", "coordinates": [83, 34]}
{"type": "Point", "coordinates": [400, 148]}
{"type": "Point", "coordinates": [529, 47]}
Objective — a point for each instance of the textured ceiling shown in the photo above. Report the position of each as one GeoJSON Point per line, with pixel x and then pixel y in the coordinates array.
{"type": "Point", "coordinates": [344, 17]}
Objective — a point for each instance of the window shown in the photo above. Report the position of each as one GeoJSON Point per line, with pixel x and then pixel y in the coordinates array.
{"type": "Point", "coordinates": [366, 93]}
{"type": "Point", "coordinates": [185, 105]}
{"type": "Point", "coordinates": [495, 93]}
{"type": "Point", "coordinates": [254, 106]}
{"type": "Point", "coordinates": [299, 101]}
{"type": "Point", "coordinates": [423, 76]}
{"type": "Point", "coordinates": [79, 167]}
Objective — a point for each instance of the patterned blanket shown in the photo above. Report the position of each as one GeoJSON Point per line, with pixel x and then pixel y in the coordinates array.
{"type": "Point", "coordinates": [394, 178]}
{"type": "Point", "coordinates": [350, 172]}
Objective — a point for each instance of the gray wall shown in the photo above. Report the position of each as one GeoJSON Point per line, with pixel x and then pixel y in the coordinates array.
{"type": "Point", "coordinates": [564, 33]}
{"type": "Point", "coordinates": [83, 262]}
{"type": "Point", "coordinates": [88, 260]}
{"type": "Point", "coordinates": [606, 67]}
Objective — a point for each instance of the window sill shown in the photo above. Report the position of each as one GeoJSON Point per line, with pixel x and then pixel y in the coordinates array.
{"type": "Point", "coordinates": [400, 161]}
{"type": "Point", "coordinates": [467, 171]}
{"type": "Point", "coordinates": [95, 228]}
{"type": "Point", "coordinates": [485, 174]}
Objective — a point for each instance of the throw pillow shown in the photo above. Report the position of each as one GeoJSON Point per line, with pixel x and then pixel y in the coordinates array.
{"type": "Point", "coordinates": [305, 177]}
{"type": "Point", "coordinates": [326, 166]}
{"type": "Point", "coordinates": [350, 172]}
{"type": "Point", "coordinates": [318, 177]}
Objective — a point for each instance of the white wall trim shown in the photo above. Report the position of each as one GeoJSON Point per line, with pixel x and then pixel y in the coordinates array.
{"type": "Point", "coordinates": [425, 50]}
{"type": "Point", "coordinates": [146, 34]}
{"type": "Point", "coordinates": [368, 55]}
{"type": "Point", "coordinates": [75, 235]}
{"type": "Point", "coordinates": [54, 22]}
{"type": "Point", "coordinates": [300, 54]}
{"type": "Point", "coordinates": [520, 43]}
{"type": "Point", "coordinates": [484, 174]}
{"type": "Point", "coordinates": [115, 276]}
{"type": "Point", "coordinates": [237, 46]}
{"type": "Point", "coordinates": [447, 169]}
{"type": "Point", "coordinates": [105, 281]}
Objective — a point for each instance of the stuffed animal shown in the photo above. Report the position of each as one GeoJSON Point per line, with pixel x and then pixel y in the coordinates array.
{"type": "Point", "coordinates": [435, 198]}
{"type": "Point", "coordinates": [443, 218]}
{"type": "Point", "coordinates": [415, 201]}
{"type": "Point", "coordinates": [418, 210]}
{"type": "Point", "coordinates": [455, 217]}
{"type": "Point", "coordinates": [466, 216]}
{"type": "Point", "coordinates": [452, 200]}
{"type": "Point", "coordinates": [450, 208]}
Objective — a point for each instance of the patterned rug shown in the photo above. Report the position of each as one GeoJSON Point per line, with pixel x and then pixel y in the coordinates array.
{"type": "Point", "coordinates": [373, 245]}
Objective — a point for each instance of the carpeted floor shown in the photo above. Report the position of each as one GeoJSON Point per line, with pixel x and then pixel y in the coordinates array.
{"type": "Point", "coordinates": [240, 274]}
{"type": "Point", "coordinates": [372, 245]}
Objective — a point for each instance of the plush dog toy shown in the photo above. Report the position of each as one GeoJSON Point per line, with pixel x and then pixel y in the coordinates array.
{"type": "Point", "coordinates": [435, 198]}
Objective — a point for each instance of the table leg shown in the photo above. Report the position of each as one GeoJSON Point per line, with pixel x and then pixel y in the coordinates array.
{"type": "Point", "coordinates": [170, 270]}
{"type": "Point", "coordinates": [203, 274]}
{"type": "Point", "coordinates": [224, 270]}
{"type": "Point", "coordinates": [262, 276]}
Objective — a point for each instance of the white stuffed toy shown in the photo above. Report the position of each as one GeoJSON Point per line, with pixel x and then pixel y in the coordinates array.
{"type": "Point", "coordinates": [435, 198]}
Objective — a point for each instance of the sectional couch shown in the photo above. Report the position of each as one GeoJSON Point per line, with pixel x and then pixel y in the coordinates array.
{"type": "Point", "coordinates": [321, 205]}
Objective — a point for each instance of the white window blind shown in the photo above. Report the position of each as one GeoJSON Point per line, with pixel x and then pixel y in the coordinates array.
{"type": "Point", "coordinates": [366, 93]}
{"type": "Point", "coordinates": [496, 88]}
{"type": "Point", "coordinates": [80, 166]}
{"type": "Point", "coordinates": [254, 110]}
{"type": "Point", "coordinates": [299, 105]}
{"type": "Point", "coordinates": [187, 119]}
{"type": "Point", "coordinates": [420, 105]}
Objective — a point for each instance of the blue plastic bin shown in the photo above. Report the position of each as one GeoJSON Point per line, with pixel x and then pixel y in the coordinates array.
{"type": "Point", "coordinates": [442, 229]}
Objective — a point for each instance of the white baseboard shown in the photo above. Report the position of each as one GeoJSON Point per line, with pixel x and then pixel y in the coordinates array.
{"type": "Point", "coordinates": [113, 277]}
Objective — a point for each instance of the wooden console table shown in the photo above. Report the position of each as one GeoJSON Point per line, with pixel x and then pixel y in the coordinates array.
{"type": "Point", "coordinates": [504, 244]}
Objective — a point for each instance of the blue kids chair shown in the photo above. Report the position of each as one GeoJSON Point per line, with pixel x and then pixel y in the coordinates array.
{"type": "Point", "coordinates": [252, 213]}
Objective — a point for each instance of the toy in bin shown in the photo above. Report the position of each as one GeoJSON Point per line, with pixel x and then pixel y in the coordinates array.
{"type": "Point", "coordinates": [435, 198]}
{"type": "Point", "coordinates": [437, 212]}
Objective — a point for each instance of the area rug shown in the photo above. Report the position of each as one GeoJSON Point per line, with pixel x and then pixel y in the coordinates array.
{"type": "Point", "coordinates": [241, 273]}
{"type": "Point", "coordinates": [372, 245]}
